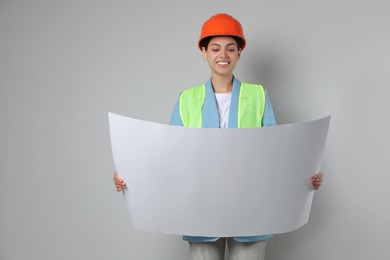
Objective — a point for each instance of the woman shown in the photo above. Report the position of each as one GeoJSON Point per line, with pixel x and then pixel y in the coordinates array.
{"type": "Point", "coordinates": [224, 102]}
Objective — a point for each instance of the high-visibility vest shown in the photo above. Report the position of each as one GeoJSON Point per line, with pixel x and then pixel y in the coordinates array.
{"type": "Point", "coordinates": [250, 106]}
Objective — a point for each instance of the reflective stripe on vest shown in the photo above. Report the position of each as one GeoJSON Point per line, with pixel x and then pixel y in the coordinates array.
{"type": "Point", "coordinates": [251, 105]}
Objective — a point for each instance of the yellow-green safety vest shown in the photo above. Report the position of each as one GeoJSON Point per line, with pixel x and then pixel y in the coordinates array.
{"type": "Point", "coordinates": [251, 105]}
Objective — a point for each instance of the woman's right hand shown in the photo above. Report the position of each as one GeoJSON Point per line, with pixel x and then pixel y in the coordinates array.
{"type": "Point", "coordinates": [118, 182]}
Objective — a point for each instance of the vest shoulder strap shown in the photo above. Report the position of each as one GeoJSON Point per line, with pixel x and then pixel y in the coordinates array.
{"type": "Point", "coordinates": [251, 106]}
{"type": "Point", "coordinates": [191, 104]}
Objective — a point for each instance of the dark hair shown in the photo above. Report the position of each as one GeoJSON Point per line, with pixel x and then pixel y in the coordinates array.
{"type": "Point", "coordinates": [205, 42]}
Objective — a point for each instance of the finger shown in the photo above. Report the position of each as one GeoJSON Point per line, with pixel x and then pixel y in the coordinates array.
{"type": "Point", "coordinates": [317, 179]}
{"type": "Point", "coordinates": [315, 183]}
{"type": "Point", "coordinates": [118, 182]}
{"type": "Point", "coordinates": [120, 185]}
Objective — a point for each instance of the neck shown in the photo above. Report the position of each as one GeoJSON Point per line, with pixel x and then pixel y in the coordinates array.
{"type": "Point", "coordinates": [222, 83]}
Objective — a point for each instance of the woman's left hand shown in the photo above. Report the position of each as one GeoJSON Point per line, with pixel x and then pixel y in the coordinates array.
{"type": "Point", "coordinates": [316, 180]}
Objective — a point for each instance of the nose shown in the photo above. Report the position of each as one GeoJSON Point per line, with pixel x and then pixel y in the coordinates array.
{"type": "Point", "coordinates": [223, 52]}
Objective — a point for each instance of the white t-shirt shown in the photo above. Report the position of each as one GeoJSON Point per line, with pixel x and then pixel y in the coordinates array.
{"type": "Point", "coordinates": [223, 104]}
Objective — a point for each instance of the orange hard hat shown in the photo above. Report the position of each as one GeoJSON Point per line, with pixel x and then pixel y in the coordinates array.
{"type": "Point", "coordinates": [222, 24]}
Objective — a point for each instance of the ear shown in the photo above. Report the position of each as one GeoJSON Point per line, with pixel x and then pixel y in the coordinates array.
{"type": "Point", "coordinates": [204, 52]}
{"type": "Point", "coordinates": [239, 53]}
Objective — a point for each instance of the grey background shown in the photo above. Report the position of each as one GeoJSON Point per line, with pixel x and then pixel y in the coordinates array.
{"type": "Point", "coordinates": [65, 64]}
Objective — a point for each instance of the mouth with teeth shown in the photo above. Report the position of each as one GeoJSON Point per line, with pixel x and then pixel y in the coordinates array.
{"type": "Point", "coordinates": [223, 62]}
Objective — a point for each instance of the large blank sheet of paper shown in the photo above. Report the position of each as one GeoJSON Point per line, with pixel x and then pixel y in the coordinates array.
{"type": "Point", "coordinates": [217, 182]}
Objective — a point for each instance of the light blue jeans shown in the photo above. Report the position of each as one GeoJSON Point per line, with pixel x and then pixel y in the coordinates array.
{"type": "Point", "coordinates": [237, 250]}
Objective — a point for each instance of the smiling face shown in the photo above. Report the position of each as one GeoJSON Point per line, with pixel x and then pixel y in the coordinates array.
{"type": "Point", "coordinates": [222, 55]}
